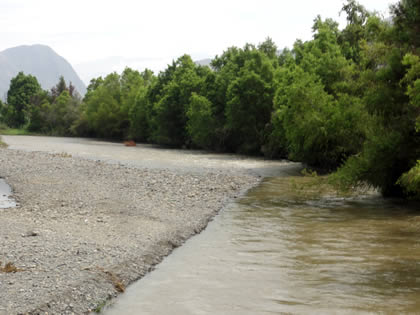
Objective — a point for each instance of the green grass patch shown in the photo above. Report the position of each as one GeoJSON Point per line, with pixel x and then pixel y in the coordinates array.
{"type": "Point", "coordinates": [100, 307]}
{"type": "Point", "coordinates": [15, 132]}
{"type": "Point", "coordinates": [311, 185]}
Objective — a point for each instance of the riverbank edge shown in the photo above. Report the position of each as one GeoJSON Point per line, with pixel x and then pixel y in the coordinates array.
{"type": "Point", "coordinates": [171, 246]}
{"type": "Point", "coordinates": [145, 262]}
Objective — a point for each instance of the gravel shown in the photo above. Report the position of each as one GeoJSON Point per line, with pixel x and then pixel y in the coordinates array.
{"type": "Point", "coordinates": [84, 229]}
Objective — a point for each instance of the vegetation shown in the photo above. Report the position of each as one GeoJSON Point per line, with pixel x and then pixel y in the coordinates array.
{"type": "Point", "coordinates": [22, 93]}
{"type": "Point", "coordinates": [16, 132]}
{"type": "Point", "coordinates": [346, 101]}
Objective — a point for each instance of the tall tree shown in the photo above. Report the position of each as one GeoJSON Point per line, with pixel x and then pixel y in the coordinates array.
{"type": "Point", "coordinates": [354, 32]}
{"type": "Point", "coordinates": [23, 88]}
{"type": "Point", "coordinates": [170, 110]}
{"type": "Point", "coordinates": [406, 17]}
{"type": "Point", "coordinates": [200, 121]}
{"type": "Point", "coordinates": [269, 48]}
{"type": "Point", "coordinates": [250, 102]}
{"type": "Point", "coordinates": [390, 77]}
{"type": "Point", "coordinates": [140, 113]}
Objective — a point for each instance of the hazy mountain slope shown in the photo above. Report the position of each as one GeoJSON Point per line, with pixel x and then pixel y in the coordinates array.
{"type": "Point", "coordinates": [6, 72]}
{"type": "Point", "coordinates": [203, 62]}
{"type": "Point", "coordinates": [39, 60]}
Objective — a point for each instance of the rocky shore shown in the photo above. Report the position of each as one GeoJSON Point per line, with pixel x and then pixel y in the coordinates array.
{"type": "Point", "coordinates": [83, 229]}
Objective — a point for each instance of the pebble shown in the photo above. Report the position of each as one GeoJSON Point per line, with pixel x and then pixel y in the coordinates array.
{"type": "Point", "coordinates": [80, 221]}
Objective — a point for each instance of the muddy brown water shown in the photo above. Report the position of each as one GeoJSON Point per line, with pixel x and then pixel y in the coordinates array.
{"type": "Point", "coordinates": [272, 252]}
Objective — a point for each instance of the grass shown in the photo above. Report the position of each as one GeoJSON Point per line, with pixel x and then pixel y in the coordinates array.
{"type": "Point", "coordinates": [15, 132]}
{"type": "Point", "coordinates": [62, 155]}
{"type": "Point", "coordinates": [100, 307]}
{"type": "Point", "coordinates": [311, 185]}
{"type": "Point", "coordinates": [7, 131]}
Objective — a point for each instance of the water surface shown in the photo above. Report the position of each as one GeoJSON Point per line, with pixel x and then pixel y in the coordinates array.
{"type": "Point", "coordinates": [274, 252]}
{"type": "Point", "coordinates": [5, 192]}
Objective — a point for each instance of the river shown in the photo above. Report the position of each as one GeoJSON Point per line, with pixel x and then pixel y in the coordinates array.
{"type": "Point", "coordinates": [274, 252]}
{"type": "Point", "coordinates": [269, 253]}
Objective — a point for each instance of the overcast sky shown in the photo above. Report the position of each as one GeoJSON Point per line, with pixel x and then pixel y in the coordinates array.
{"type": "Point", "coordinates": [100, 36]}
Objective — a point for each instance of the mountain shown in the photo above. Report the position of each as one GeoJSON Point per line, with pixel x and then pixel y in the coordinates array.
{"type": "Point", "coordinates": [40, 61]}
{"type": "Point", "coordinates": [203, 62]}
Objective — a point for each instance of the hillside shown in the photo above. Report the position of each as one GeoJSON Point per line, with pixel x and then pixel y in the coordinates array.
{"type": "Point", "coordinates": [203, 62]}
{"type": "Point", "coordinates": [38, 60]}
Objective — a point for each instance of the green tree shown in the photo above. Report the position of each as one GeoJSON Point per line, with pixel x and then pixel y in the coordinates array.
{"type": "Point", "coordinates": [141, 112]}
{"type": "Point", "coordinates": [235, 71]}
{"type": "Point", "coordinates": [63, 114]}
{"type": "Point", "coordinates": [140, 116]}
{"type": "Point", "coordinates": [38, 113]}
{"type": "Point", "coordinates": [355, 31]}
{"type": "Point", "coordinates": [21, 92]}
{"type": "Point", "coordinates": [319, 117]}
{"type": "Point", "coordinates": [269, 48]}
{"type": "Point", "coordinates": [303, 109]}
{"type": "Point", "coordinates": [170, 119]}
{"type": "Point", "coordinates": [131, 82]}
{"type": "Point", "coordinates": [323, 56]}
{"type": "Point", "coordinates": [103, 110]}
{"type": "Point", "coordinates": [108, 104]}
{"type": "Point", "coordinates": [200, 121]}
{"type": "Point", "coordinates": [2, 111]}
{"type": "Point", "coordinates": [59, 88]}
{"type": "Point", "coordinates": [406, 18]}
{"type": "Point", "coordinates": [250, 102]}
{"type": "Point", "coordinates": [410, 181]}
{"type": "Point", "coordinates": [390, 77]}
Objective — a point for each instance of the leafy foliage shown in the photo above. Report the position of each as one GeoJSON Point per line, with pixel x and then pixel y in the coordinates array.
{"type": "Point", "coordinates": [23, 88]}
{"type": "Point", "coordinates": [170, 110]}
{"type": "Point", "coordinates": [411, 181]}
{"type": "Point", "coordinates": [200, 121]}
{"type": "Point", "coordinates": [346, 101]}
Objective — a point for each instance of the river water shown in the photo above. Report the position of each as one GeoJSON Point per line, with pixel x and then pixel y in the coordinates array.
{"type": "Point", "coordinates": [272, 253]}
{"type": "Point", "coordinates": [275, 251]}
{"type": "Point", "coordinates": [5, 192]}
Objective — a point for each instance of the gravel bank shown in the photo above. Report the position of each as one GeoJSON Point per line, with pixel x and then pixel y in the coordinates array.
{"type": "Point", "coordinates": [85, 229]}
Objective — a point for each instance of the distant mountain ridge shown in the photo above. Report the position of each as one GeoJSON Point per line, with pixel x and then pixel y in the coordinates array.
{"type": "Point", "coordinates": [40, 61]}
{"type": "Point", "coordinates": [203, 62]}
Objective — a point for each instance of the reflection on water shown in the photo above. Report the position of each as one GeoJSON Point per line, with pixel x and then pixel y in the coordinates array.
{"type": "Point", "coordinates": [5, 192]}
{"type": "Point", "coordinates": [273, 252]}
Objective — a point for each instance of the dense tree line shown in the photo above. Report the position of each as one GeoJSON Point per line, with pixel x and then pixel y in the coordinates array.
{"type": "Point", "coordinates": [30, 107]}
{"type": "Point", "coordinates": [347, 100]}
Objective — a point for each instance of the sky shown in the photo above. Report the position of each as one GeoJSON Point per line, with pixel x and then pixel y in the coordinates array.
{"type": "Point", "coordinates": [101, 36]}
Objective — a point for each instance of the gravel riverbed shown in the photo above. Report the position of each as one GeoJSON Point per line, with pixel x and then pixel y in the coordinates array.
{"type": "Point", "coordinates": [85, 229]}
